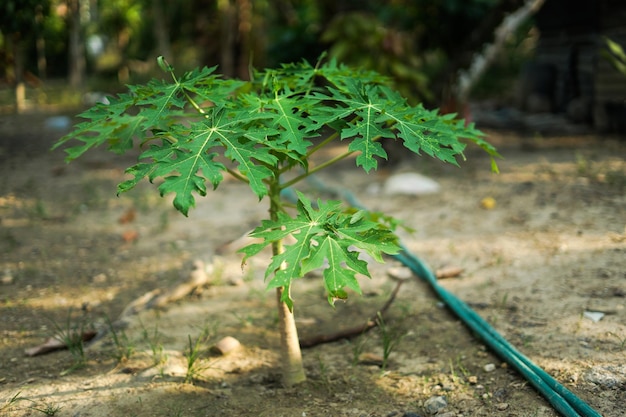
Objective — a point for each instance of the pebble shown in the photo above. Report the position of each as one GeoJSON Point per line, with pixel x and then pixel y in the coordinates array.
{"type": "Point", "coordinates": [608, 377]}
{"type": "Point", "coordinates": [490, 367]}
{"type": "Point", "coordinates": [226, 345]}
{"type": "Point", "coordinates": [502, 406]}
{"type": "Point", "coordinates": [410, 183]}
{"type": "Point", "coordinates": [399, 273]}
{"type": "Point", "coordinates": [367, 358]}
{"type": "Point", "coordinates": [594, 316]}
{"type": "Point", "coordinates": [434, 404]}
{"type": "Point", "coordinates": [99, 279]}
{"type": "Point", "coordinates": [7, 278]}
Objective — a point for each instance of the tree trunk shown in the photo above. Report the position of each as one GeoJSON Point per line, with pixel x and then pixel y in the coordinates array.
{"type": "Point", "coordinates": [228, 33]}
{"type": "Point", "coordinates": [76, 51]}
{"type": "Point", "coordinates": [161, 31]}
{"type": "Point", "coordinates": [18, 67]}
{"type": "Point", "coordinates": [41, 46]}
{"type": "Point", "coordinates": [244, 13]}
{"type": "Point", "coordinates": [291, 355]}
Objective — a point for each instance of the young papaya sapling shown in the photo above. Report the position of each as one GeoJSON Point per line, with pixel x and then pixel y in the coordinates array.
{"type": "Point", "coordinates": [267, 127]}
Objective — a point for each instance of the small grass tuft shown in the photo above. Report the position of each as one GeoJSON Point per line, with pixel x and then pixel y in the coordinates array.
{"type": "Point", "coordinates": [357, 349]}
{"type": "Point", "coordinates": [71, 335]}
{"type": "Point", "coordinates": [124, 349]}
{"type": "Point", "coordinates": [193, 352]}
{"type": "Point", "coordinates": [390, 339]}
{"type": "Point", "coordinates": [10, 402]}
{"type": "Point", "coordinates": [620, 340]}
{"type": "Point", "coordinates": [47, 409]}
{"type": "Point", "coordinates": [153, 339]}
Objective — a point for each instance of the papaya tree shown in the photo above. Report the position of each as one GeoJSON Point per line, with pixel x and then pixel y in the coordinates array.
{"type": "Point", "coordinates": [264, 129]}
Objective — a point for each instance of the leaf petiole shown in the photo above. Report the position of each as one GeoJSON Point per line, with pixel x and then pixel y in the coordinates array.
{"type": "Point", "coordinates": [315, 169]}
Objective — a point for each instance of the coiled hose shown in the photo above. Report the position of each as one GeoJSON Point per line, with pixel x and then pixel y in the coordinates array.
{"type": "Point", "coordinates": [562, 399]}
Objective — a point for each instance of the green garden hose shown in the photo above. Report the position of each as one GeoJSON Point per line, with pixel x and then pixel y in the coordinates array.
{"type": "Point", "coordinates": [562, 399]}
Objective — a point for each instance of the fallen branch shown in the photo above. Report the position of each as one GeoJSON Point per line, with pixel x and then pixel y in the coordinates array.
{"type": "Point", "coordinates": [158, 298]}
{"type": "Point", "coordinates": [197, 279]}
{"type": "Point", "coordinates": [354, 331]}
{"type": "Point", "coordinates": [56, 343]}
{"type": "Point", "coordinates": [153, 299]}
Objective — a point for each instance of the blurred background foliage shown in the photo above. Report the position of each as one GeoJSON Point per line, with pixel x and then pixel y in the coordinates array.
{"type": "Point", "coordinates": [103, 44]}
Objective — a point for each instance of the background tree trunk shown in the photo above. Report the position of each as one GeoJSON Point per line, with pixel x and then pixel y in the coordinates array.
{"type": "Point", "coordinates": [18, 65]}
{"type": "Point", "coordinates": [40, 42]}
{"type": "Point", "coordinates": [244, 14]}
{"type": "Point", "coordinates": [228, 34]}
{"type": "Point", "coordinates": [161, 31]}
{"type": "Point", "coordinates": [76, 46]}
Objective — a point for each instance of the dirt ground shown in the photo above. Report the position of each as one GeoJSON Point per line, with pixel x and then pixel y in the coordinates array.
{"type": "Point", "coordinates": [549, 252]}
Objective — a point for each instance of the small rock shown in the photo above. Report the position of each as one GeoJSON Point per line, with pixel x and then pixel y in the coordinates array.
{"type": "Point", "coordinates": [410, 183]}
{"type": "Point", "coordinates": [490, 367]}
{"type": "Point", "coordinates": [226, 345]}
{"type": "Point", "coordinates": [7, 278]}
{"type": "Point", "coordinates": [99, 279]}
{"type": "Point", "coordinates": [371, 359]}
{"type": "Point", "coordinates": [472, 380]}
{"type": "Point", "coordinates": [449, 272]}
{"type": "Point", "coordinates": [400, 273]}
{"type": "Point", "coordinates": [502, 406]}
{"type": "Point", "coordinates": [409, 414]}
{"type": "Point", "coordinates": [607, 377]}
{"type": "Point", "coordinates": [434, 404]}
{"type": "Point", "coordinates": [594, 316]}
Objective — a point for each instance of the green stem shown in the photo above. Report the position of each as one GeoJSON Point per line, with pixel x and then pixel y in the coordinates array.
{"type": "Point", "coordinates": [324, 164]}
{"type": "Point", "coordinates": [316, 148]}
{"type": "Point", "coordinates": [317, 66]}
{"type": "Point", "coordinates": [237, 175]}
{"type": "Point", "coordinates": [321, 144]}
{"type": "Point", "coordinates": [316, 168]}
{"type": "Point", "coordinates": [193, 103]}
{"type": "Point", "coordinates": [167, 67]}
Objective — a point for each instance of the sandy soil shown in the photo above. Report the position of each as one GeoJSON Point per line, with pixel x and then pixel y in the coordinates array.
{"type": "Point", "coordinates": [73, 255]}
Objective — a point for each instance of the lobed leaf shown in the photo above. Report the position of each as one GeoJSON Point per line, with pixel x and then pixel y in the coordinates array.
{"type": "Point", "coordinates": [107, 123]}
{"type": "Point", "coordinates": [325, 236]}
{"type": "Point", "coordinates": [264, 126]}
